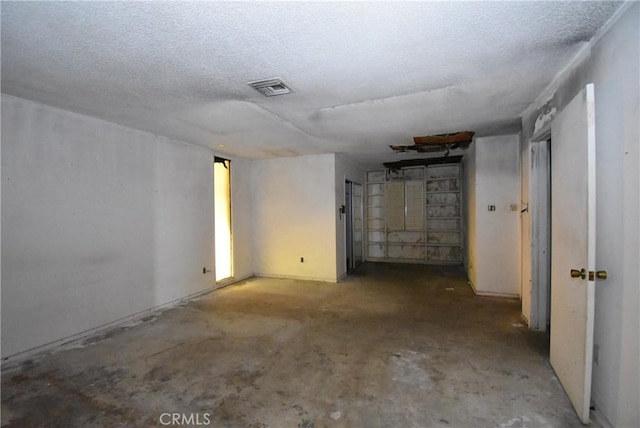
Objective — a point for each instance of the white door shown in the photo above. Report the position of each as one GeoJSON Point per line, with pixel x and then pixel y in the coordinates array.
{"type": "Point", "coordinates": [573, 247]}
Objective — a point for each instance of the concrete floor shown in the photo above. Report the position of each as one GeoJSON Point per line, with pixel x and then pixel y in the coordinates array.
{"type": "Point", "coordinates": [392, 346]}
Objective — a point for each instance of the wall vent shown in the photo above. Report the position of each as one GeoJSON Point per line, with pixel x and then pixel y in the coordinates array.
{"type": "Point", "coordinates": [271, 87]}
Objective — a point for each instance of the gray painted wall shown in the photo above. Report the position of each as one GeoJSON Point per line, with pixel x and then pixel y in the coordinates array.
{"type": "Point", "coordinates": [469, 212]}
{"type": "Point", "coordinates": [99, 222]}
{"type": "Point", "coordinates": [612, 63]}
{"type": "Point", "coordinates": [241, 222]}
{"type": "Point", "coordinates": [492, 177]}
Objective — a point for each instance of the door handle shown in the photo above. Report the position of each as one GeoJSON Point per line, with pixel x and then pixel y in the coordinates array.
{"type": "Point", "coordinates": [601, 274]}
{"type": "Point", "coordinates": [575, 273]}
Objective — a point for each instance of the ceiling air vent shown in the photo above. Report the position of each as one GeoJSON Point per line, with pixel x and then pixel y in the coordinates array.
{"type": "Point", "coordinates": [271, 87]}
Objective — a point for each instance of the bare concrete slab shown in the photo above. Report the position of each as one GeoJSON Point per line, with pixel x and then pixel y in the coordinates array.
{"type": "Point", "coordinates": [392, 346]}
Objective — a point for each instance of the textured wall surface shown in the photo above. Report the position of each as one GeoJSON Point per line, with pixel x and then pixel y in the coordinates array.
{"type": "Point", "coordinates": [495, 235]}
{"type": "Point", "coordinates": [241, 221]}
{"type": "Point", "coordinates": [294, 203]}
{"type": "Point", "coordinates": [469, 213]}
{"type": "Point", "coordinates": [99, 222]}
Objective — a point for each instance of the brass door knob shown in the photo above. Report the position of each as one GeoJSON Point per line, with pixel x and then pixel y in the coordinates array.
{"type": "Point", "coordinates": [575, 273]}
{"type": "Point", "coordinates": [601, 274]}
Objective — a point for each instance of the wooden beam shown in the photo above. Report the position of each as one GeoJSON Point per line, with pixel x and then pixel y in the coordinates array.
{"type": "Point", "coordinates": [419, 162]}
{"type": "Point", "coordinates": [454, 138]}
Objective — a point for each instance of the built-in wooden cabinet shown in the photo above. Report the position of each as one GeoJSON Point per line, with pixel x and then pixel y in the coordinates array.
{"type": "Point", "coordinates": [414, 214]}
{"type": "Point", "coordinates": [443, 213]}
{"type": "Point", "coordinates": [376, 215]}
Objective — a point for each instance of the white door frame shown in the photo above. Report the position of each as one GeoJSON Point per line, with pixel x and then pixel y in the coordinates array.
{"type": "Point", "coordinates": [226, 210]}
{"type": "Point", "coordinates": [348, 216]}
{"type": "Point", "coordinates": [540, 218]}
{"type": "Point", "coordinates": [350, 228]}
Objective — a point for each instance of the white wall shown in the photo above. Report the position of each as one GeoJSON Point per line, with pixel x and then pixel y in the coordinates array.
{"type": "Point", "coordinates": [494, 236]}
{"type": "Point", "coordinates": [469, 212]}
{"type": "Point", "coordinates": [99, 222]}
{"type": "Point", "coordinates": [612, 63]}
{"type": "Point", "coordinates": [345, 170]}
{"type": "Point", "coordinates": [241, 222]}
{"type": "Point", "coordinates": [294, 210]}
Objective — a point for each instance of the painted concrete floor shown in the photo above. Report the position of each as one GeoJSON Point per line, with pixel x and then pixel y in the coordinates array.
{"type": "Point", "coordinates": [392, 346]}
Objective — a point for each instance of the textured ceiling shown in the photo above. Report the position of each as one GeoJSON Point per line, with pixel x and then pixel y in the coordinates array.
{"type": "Point", "coordinates": [365, 75]}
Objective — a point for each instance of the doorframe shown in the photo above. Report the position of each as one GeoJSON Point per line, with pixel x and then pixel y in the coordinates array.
{"type": "Point", "coordinates": [348, 214]}
{"type": "Point", "coordinates": [227, 165]}
{"type": "Point", "coordinates": [351, 262]}
{"type": "Point", "coordinates": [540, 223]}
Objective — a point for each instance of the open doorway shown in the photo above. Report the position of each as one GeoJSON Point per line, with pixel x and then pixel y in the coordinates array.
{"type": "Point", "coordinates": [540, 209]}
{"type": "Point", "coordinates": [222, 215]}
{"type": "Point", "coordinates": [354, 224]}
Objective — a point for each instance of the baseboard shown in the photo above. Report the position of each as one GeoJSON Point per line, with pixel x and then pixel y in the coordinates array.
{"type": "Point", "coordinates": [301, 278]}
{"type": "Point", "coordinates": [492, 294]}
{"type": "Point", "coordinates": [230, 281]}
{"type": "Point", "coordinates": [599, 419]}
{"type": "Point", "coordinates": [11, 361]}
{"type": "Point", "coordinates": [416, 262]}
{"type": "Point", "coordinates": [473, 287]}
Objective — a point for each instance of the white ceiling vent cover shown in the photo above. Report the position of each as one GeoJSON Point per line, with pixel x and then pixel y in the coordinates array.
{"type": "Point", "coordinates": [271, 87]}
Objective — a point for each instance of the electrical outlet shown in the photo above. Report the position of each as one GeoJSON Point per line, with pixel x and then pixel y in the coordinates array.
{"type": "Point", "coordinates": [491, 208]}
{"type": "Point", "coordinates": [301, 259]}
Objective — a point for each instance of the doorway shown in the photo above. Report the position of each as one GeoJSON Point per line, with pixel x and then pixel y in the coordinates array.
{"type": "Point", "coordinates": [354, 224]}
{"type": "Point", "coordinates": [222, 215]}
{"type": "Point", "coordinates": [540, 210]}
